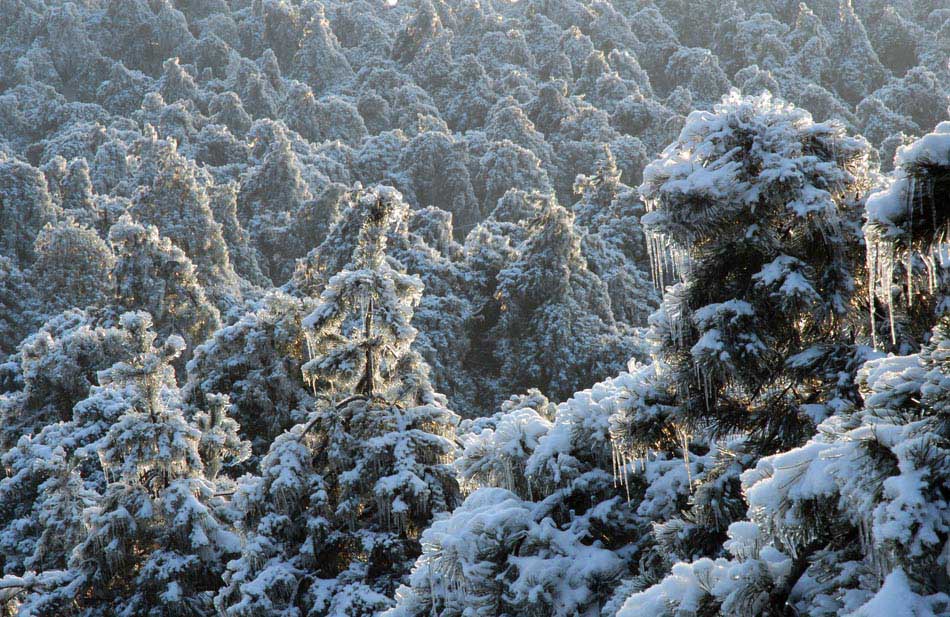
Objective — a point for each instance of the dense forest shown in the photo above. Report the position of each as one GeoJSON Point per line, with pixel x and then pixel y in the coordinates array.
{"type": "Point", "coordinates": [474, 308]}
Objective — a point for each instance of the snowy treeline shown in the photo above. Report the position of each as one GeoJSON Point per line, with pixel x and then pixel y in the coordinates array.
{"type": "Point", "coordinates": [451, 308]}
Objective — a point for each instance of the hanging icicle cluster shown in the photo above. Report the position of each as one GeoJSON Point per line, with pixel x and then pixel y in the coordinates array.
{"type": "Point", "coordinates": [907, 229]}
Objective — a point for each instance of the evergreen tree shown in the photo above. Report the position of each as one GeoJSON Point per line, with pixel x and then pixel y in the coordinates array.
{"type": "Point", "coordinates": [78, 198]}
{"type": "Point", "coordinates": [614, 243]}
{"type": "Point", "coordinates": [860, 72]}
{"type": "Point", "coordinates": [550, 527]}
{"type": "Point", "coordinates": [220, 445]}
{"type": "Point", "coordinates": [319, 62]}
{"type": "Point", "coordinates": [333, 523]}
{"type": "Point", "coordinates": [904, 228]}
{"type": "Point", "coordinates": [271, 191]}
{"type": "Point", "coordinates": [25, 208]}
{"type": "Point", "coordinates": [256, 362]}
{"type": "Point", "coordinates": [16, 305]}
{"type": "Point", "coordinates": [156, 537]}
{"type": "Point", "coordinates": [244, 258]}
{"type": "Point", "coordinates": [556, 331]}
{"type": "Point", "coordinates": [153, 274]}
{"type": "Point", "coordinates": [177, 203]}
{"type": "Point", "coordinates": [62, 500]}
{"type": "Point", "coordinates": [53, 370]}
{"type": "Point", "coordinates": [73, 267]}
{"type": "Point", "coordinates": [442, 310]}
{"type": "Point", "coordinates": [753, 210]}
{"type": "Point", "coordinates": [854, 522]}
{"type": "Point", "coordinates": [434, 163]}
{"type": "Point", "coordinates": [54, 411]}
{"type": "Point", "coordinates": [509, 166]}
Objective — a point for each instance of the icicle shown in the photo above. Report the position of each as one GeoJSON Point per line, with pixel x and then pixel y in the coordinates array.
{"type": "Point", "coordinates": [613, 460]}
{"type": "Point", "coordinates": [872, 264]}
{"type": "Point", "coordinates": [665, 259]}
{"type": "Point", "coordinates": [910, 278]}
{"type": "Point", "coordinates": [626, 480]}
{"type": "Point", "coordinates": [689, 476]}
{"type": "Point", "coordinates": [890, 315]}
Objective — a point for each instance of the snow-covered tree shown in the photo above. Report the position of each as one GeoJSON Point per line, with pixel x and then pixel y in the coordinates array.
{"type": "Point", "coordinates": [333, 522]}
{"type": "Point", "coordinates": [153, 274]}
{"type": "Point", "coordinates": [467, 567]}
{"type": "Point", "coordinates": [17, 310]}
{"type": "Point", "coordinates": [614, 244]}
{"type": "Point", "coordinates": [256, 362]}
{"type": "Point", "coordinates": [860, 72]}
{"type": "Point", "coordinates": [220, 445]}
{"type": "Point", "coordinates": [434, 164]}
{"type": "Point", "coordinates": [905, 230]}
{"type": "Point", "coordinates": [697, 70]}
{"type": "Point", "coordinates": [497, 448]}
{"type": "Point", "coordinates": [25, 208]}
{"type": "Point", "coordinates": [73, 267]}
{"type": "Point", "coordinates": [271, 191]}
{"type": "Point", "coordinates": [78, 198]}
{"type": "Point", "coordinates": [551, 527]}
{"type": "Point", "coordinates": [319, 62]}
{"type": "Point", "coordinates": [55, 367]}
{"type": "Point", "coordinates": [753, 209]}
{"type": "Point", "coordinates": [243, 257]}
{"type": "Point", "coordinates": [156, 536]}
{"type": "Point", "coordinates": [556, 330]}
{"type": "Point", "coordinates": [177, 203]}
{"type": "Point", "coordinates": [854, 522]}
{"type": "Point", "coordinates": [505, 166]}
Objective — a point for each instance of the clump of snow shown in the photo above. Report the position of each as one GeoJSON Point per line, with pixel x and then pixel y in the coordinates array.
{"type": "Point", "coordinates": [896, 598]}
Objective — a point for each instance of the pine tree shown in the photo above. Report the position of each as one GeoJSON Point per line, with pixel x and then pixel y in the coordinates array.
{"type": "Point", "coordinates": [220, 446]}
{"type": "Point", "coordinates": [854, 522]}
{"type": "Point", "coordinates": [435, 166]}
{"type": "Point", "coordinates": [153, 274]}
{"type": "Point", "coordinates": [904, 228]}
{"type": "Point", "coordinates": [54, 369]}
{"type": "Point", "coordinates": [73, 267]}
{"type": "Point", "coordinates": [256, 362]}
{"type": "Point", "coordinates": [441, 312]}
{"type": "Point", "coordinates": [861, 71]}
{"type": "Point", "coordinates": [25, 208]}
{"type": "Point", "coordinates": [556, 331]}
{"type": "Point", "coordinates": [550, 527]}
{"type": "Point", "coordinates": [156, 537]}
{"type": "Point", "coordinates": [223, 202]}
{"type": "Point", "coordinates": [332, 524]}
{"type": "Point", "coordinates": [505, 166]}
{"type": "Point", "coordinates": [78, 198]}
{"type": "Point", "coordinates": [270, 192]}
{"type": "Point", "coordinates": [177, 202]}
{"type": "Point", "coordinates": [752, 209]}
{"type": "Point", "coordinates": [17, 310]}
{"type": "Point", "coordinates": [59, 505]}
{"type": "Point", "coordinates": [614, 243]}
{"type": "Point", "coordinates": [319, 62]}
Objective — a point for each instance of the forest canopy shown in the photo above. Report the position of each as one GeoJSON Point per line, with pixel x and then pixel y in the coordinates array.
{"type": "Point", "coordinates": [474, 308]}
